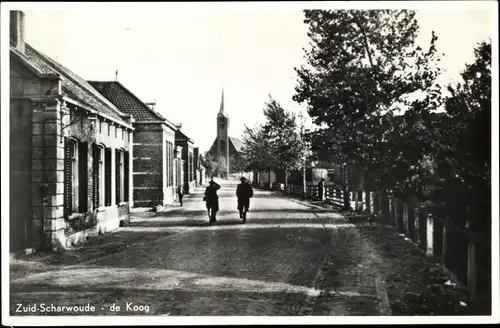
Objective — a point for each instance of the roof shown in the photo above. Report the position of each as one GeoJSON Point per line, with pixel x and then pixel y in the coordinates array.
{"type": "Point", "coordinates": [183, 135]}
{"type": "Point", "coordinates": [236, 143]}
{"type": "Point", "coordinates": [73, 86]}
{"type": "Point", "coordinates": [127, 101]}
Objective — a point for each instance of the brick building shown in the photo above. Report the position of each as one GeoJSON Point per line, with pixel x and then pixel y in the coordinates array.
{"type": "Point", "coordinates": [186, 147]}
{"type": "Point", "coordinates": [69, 152]}
{"type": "Point", "coordinates": [154, 163]}
{"type": "Point", "coordinates": [225, 147]}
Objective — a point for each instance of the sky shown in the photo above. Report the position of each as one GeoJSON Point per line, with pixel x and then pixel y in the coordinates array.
{"type": "Point", "coordinates": [182, 56]}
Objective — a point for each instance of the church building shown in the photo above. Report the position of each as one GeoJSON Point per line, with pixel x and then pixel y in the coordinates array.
{"type": "Point", "coordinates": [224, 147]}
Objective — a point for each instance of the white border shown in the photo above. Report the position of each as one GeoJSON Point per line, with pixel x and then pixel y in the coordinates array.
{"type": "Point", "coordinates": [105, 320]}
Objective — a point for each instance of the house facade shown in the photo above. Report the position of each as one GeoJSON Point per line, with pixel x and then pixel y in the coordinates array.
{"type": "Point", "coordinates": [186, 147]}
{"type": "Point", "coordinates": [70, 153]}
{"type": "Point", "coordinates": [155, 167]}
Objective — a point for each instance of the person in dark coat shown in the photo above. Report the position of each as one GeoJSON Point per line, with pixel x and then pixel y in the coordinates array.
{"type": "Point", "coordinates": [180, 193]}
{"type": "Point", "coordinates": [321, 190]}
{"type": "Point", "coordinates": [212, 199]}
{"type": "Point", "coordinates": [244, 192]}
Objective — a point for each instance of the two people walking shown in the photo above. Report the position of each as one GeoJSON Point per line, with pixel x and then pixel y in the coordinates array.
{"type": "Point", "coordinates": [244, 192]}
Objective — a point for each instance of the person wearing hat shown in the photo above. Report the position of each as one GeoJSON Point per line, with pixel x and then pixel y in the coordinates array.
{"type": "Point", "coordinates": [244, 192]}
{"type": "Point", "coordinates": [212, 199]}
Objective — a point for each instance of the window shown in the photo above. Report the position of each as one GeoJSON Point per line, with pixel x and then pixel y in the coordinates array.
{"type": "Point", "coordinates": [119, 177]}
{"type": "Point", "coordinates": [107, 177]}
{"type": "Point", "coordinates": [69, 176]}
{"type": "Point", "coordinates": [190, 167]}
{"type": "Point", "coordinates": [126, 168]}
{"type": "Point", "coordinates": [170, 164]}
{"type": "Point", "coordinates": [99, 191]}
{"type": "Point", "coordinates": [222, 146]}
{"type": "Point", "coordinates": [221, 122]}
{"type": "Point", "coordinates": [75, 177]}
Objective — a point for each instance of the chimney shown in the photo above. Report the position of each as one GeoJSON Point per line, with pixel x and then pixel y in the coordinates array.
{"type": "Point", "coordinates": [151, 105]}
{"type": "Point", "coordinates": [17, 29]}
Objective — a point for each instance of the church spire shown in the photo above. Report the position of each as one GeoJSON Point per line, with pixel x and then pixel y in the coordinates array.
{"type": "Point", "coordinates": [221, 110]}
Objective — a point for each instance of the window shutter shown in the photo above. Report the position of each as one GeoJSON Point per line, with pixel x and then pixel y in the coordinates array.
{"type": "Point", "coordinates": [95, 175]}
{"type": "Point", "coordinates": [107, 177]}
{"type": "Point", "coordinates": [117, 162]}
{"type": "Point", "coordinates": [83, 161]}
{"type": "Point", "coordinates": [126, 177]}
{"type": "Point", "coordinates": [68, 174]}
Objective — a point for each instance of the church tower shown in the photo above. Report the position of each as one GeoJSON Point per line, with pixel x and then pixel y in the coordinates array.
{"type": "Point", "coordinates": [223, 135]}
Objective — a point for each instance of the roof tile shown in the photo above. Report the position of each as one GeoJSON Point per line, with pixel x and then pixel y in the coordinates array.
{"type": "Point", "coordinates": [72, 85]}
{"type": "Point", "coordinates": [121, 97]}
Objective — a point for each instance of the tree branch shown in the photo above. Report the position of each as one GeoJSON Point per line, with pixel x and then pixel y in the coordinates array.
{"type": "Point", "coordinates": [365, 39]}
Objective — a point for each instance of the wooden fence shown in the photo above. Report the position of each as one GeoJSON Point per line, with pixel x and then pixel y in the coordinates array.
{"type": "Point", "coordinates": [465, 253]}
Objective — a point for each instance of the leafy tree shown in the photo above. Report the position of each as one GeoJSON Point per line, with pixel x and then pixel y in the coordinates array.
{"type": "Point", "coordinates": [221, 166]}
{"type": "Point", "coordinates": [257, 151]}
{"type": "Point", "coordinates": [463, 153]}
{"type": "Point", "coordinates": [238, 164]}
{"type": "Point", "coordinates": [362, 69]}
{"type": "Point", "coordinates": [281, 131]}
{"type": "Point", "coordinates": [209, 163]}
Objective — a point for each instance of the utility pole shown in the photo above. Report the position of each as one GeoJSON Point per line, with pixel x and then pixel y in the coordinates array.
{"type": "Point", "coordinates": [304, 156]}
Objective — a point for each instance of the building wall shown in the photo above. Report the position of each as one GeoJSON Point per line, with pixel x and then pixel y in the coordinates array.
{"type": "Point", "coordinates": [37, 121]}
{"type": "Point", "coordinates": [189, 179]}
{"type": "Point", "coordinates": [154, 171]}
{"type": "Point", "coordinates": [263, 177]}
{"type": "Point", "coordinates": [20, 175]}
{"type": "Point", "coordinates": [169, 179]}
{"type": "Point", "coordinates": [148, 165]}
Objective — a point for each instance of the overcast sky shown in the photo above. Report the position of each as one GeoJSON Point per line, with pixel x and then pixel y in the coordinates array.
{"type": "Point", "coordinates": [183, 55]}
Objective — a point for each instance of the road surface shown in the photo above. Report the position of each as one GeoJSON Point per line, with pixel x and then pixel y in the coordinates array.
{"type": "Point", "coordinates": [287, 259]}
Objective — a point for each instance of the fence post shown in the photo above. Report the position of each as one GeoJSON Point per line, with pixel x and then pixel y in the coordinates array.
{"type": "Point", "coordinates": [395, 215]}
{"type": "Point", "coordinates": [367, 200]}
{"type": "Point", "coordinates": [372, 202]}
{"type": "Point", "coordinates": [391, 207]}
{"type": "Point", "coordinates": [471, 268]}
{"type": "Point", "coordinates": [444, 248]}
{"type": "Point", "coordinates": [416, 224]}
{"type": "Point", "coordinates": [364, 200]}
{"type": "Point", "coordinates": [406, 226]}
{"type": "Point", "coordinates": [347, 201]}
{"type": "Point", "coordinates": [430, 235]}
{"type": "Point", "coordinates": [381, 204]}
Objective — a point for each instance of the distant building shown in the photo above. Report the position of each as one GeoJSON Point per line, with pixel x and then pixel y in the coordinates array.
{"type": "Point", "coordinates": [186, 146]}
{"type": "Point", "coordinates": [70, 163]}
{"type": "Point", "coordinates": [154, 164]}
{"type": "Point", "coordinates": [225, 147]}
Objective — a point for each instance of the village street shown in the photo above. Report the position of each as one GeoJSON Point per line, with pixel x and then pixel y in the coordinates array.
{"type": "Point", "coordinates": [289, 258]}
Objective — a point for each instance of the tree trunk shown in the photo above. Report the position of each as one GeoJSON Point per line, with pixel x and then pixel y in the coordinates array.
{"type": "Point", "coordinates": [304, 190]}
{"type": "Point", "coordinates": [269, 178]}
{"type": "Point", "coordinates": [345, 188]}
{"type": "Point", "coordinates": [286, 178]}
